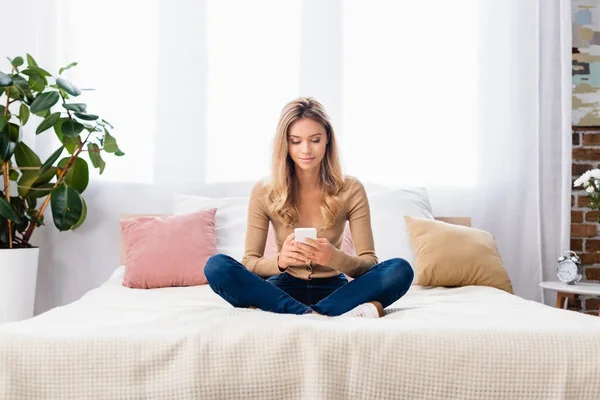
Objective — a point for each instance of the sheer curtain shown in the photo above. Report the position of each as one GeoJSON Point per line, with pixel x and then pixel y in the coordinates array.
{"type": "Point", "coordinates": [468, 98]}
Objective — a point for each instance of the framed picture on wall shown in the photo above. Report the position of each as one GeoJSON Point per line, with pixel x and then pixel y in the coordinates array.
{"type": "Point", "coordinates": [586, 63]}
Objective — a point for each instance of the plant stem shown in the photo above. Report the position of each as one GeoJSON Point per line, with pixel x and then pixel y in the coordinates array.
{"type": "Point", "coordinates": [6, 172]}
{"type": "Point", "coordinates": [60, 179]}
{"type": "Point", "coordinates": [7, 193]}
{"type": "Point", "coordinates": [65, 102]}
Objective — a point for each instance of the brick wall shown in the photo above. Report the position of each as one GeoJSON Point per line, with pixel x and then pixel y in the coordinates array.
{"type": "Point", "coordinates": [585, 235]}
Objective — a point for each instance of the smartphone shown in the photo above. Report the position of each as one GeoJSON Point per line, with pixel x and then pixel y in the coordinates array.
{"type": "Point", "coordinates": [302, 233]}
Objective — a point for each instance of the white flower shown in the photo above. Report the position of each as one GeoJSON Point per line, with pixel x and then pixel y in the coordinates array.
{"type": "Point", "coordinates": [590, 189]}
{"type": "Point", "coordinates": [583, 179]}
{"type": "Point", "coordinates": [595, 173]}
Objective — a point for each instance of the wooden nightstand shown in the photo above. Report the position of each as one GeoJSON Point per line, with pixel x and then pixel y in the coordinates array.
{"type": "Point", "coordinates": [565, 292]}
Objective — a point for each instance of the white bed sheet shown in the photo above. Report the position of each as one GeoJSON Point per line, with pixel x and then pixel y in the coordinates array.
{"type": "Point", "coordinates": [469, 343]}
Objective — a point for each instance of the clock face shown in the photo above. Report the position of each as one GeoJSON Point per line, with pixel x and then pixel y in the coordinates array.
{"type": "Point", "coordinates": [567, 271]}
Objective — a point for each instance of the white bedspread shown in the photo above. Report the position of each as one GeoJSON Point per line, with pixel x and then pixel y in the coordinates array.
{"type": "Point", "coordinates": [187, 343]}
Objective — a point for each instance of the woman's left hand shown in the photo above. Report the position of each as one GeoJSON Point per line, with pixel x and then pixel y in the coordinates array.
{"type": "Point", "coordinates": [318, 251]}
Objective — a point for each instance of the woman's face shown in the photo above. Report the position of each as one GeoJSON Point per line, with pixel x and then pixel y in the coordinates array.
{"type": "Point", "coordinates": [307, 142]}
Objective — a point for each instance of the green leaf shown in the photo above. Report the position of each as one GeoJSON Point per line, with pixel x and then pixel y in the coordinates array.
{"type": "Point", "coordinates": [78, 176]}
{"type": "Point", "coordinates": [15, 92]}
{"type": "Point", "coordinates": [14, 131]}
{"type": "Point", "coordinates": [7, 211]}
{"type": "Point", "coordinates": [13, 175]}
{"type": "Point", "coordinates": [52, 159]}
{"type": "Point", "coordinates": [71, 128]}
{"type": "Point", "coordinates": [24, 114]}
{"type": "Point", "coordinates": [108, 123]}
{"type": "Point", "coordinates": [73, 64]}
{"type": "Point", "coordinates": [26, 182]}
{"type": "Point", "coordinates": [17, 61]}
{"type": "Point", "coordinates": [3, 122]}
{"type": "Point", "coordinates": [31, 61]}
{"type": "Point", "coordinates": [38, 70]}
{"type": "Point", "coordinates": [45, 176]}
{"type": "Point", "coordinates": [44, 101]}
{"type": "Point", "coordinates": [32, 204]}
{"type": "Point", "coordinates": [95, 157]}
{"type": "Point", "coordinates": [48, 122]}
{"type": "Point", "coordinates": [110, 143]}
{"type": "Point", "coordinates": [32, 179]}
{"type": "Point", "coordinates": [37, 83]}
{"type": "Point", "coordinates": [21, 84]}
{"type": "Point", "coordinates": [69, 143]}
{"type": "Point", "coordinates": [5, 80]}
{"type": "Point", "coordinates": [68, 87]}
{"type": "Point", "coordinates": [119, 153]}
{"type": "Point", "coordinates": [83, 215]}
{"type": "Point", "coordinates": [67, 207]}
{"type": "Point", "coordinates": [77, 107]}
{"type": "Point", "coordinates": [26, 157]}
{"type": "Point", "coordinates": [8, 144]}
{"type": "Point", "coordinates": [42, 114]}
{"type": "Point", "coordinates": [86, 117]}
{"type": "Point", "coordinates": [41, 191]}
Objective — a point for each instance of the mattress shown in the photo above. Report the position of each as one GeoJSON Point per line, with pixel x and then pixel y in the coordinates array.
{"type": "Point", "coordinates": [187, 343]}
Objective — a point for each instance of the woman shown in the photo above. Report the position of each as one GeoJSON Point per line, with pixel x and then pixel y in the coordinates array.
{"type": "Point", "coordinates": [307, 189]}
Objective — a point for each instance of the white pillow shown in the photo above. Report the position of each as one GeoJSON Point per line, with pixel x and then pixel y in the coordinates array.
{"type": "Point", "coordinates": [388, 209]}
{"type": "Point", "coordinates": [118, 274]}
{"type": "Point", "coordinates": [230, 220]}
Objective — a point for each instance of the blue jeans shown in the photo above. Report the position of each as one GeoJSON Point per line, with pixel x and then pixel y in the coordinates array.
{"type": "Point", "coordinates": [385, 282]}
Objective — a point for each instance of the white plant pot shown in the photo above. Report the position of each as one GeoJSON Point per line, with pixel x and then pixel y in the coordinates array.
{"type": "Point", "coordinates": [18, 278]}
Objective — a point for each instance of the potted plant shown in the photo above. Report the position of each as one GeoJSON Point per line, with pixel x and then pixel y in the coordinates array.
{"type": "Point", "coordinates": [29, 95]}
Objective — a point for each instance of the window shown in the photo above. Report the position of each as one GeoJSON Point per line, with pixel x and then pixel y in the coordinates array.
{"type": "Point", "coordinates": [409, 112]}
{"type": "Point", "coordinates": [253, 70]}
{"type": "Point", "coordinates": [115, 46]}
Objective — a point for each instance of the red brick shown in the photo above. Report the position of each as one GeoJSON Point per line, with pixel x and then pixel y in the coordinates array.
{"type": "Point", "coordinates": [583, 201]}
{"type": "Point", "coordinates": [576, 140]}
{"type": "Point", "coordinates": [591, 139]}
{"type": "Point", "coordinates": [592, 304]}
{"type": "Point", "coordinates": [578, 169]}
{"type": "Point", "coordinates": [592, 274]}
{"type": "Point", "coordinates": [576, 216]}
{"type": "Point", "coordinates": [583, 230]}
{"type": "Point", "coordinates": [586, 153]}
{"type": "Point", "coordinates": [592, 245]}
{"type": "Point", "coordinates": [590, 258]}
{"type": "Point", "coordinates": [591, 216]}
{"type": "Point", "coordinates": [577, 245]}
{"type": "Point", "coordinates": [572, 200]}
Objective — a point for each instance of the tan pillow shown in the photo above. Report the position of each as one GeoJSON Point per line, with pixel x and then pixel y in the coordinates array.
{"type": "Point", "coordinates": [453, 255]}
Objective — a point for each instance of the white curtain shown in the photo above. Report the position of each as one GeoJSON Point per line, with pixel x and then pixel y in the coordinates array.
{"type": "Point", "coordinates": [469, 98]}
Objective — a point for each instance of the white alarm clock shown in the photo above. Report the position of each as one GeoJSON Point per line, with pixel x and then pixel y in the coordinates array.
{"type": "Point", "coordinates": [569, 269]}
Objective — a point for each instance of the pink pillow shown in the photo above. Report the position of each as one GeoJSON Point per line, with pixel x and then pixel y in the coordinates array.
{"type": "Point", "coordinates": [168, 251]}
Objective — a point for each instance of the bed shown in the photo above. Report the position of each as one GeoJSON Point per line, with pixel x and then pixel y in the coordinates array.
{"type": "Point", "coordinates": [470, 342]}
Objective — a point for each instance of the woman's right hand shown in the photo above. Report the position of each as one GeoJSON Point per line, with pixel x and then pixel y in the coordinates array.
{"type": "Point", "coordinates": [290, 255]}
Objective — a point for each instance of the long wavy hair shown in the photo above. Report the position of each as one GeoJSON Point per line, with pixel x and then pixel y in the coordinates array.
{"type": "Point", "coordinates": [282, 191]}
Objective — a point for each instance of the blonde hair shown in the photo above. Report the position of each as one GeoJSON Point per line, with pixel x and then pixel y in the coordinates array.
{"type": "Point", "coordinates": [282, 191]}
